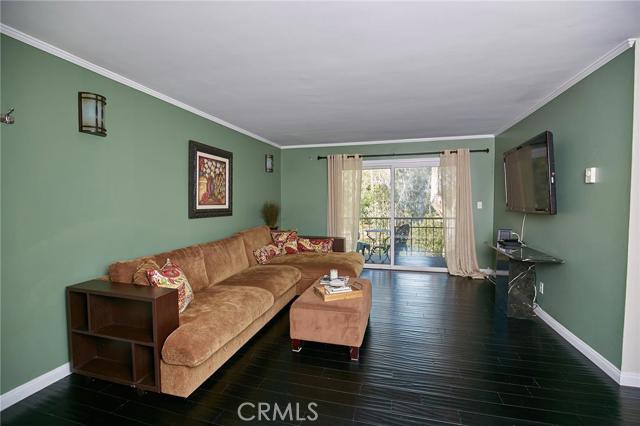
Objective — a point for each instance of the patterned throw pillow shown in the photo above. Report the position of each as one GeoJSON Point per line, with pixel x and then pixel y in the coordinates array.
{"type": "Point", "coordinates": [266, 253]}
{"type": "Point", "coordinates": [317, 245]}
{"type": "Point", "coordinates": [140, 275]}
{"type": "Point", "coordinates": [171, 276]}
{"type": "Point", "coordinates": [290, 247]}
{"type": "Point", "coordinates": [286, 241]}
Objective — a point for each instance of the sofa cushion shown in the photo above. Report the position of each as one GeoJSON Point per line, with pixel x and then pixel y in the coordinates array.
{"type": "Point", "coordinates": [253, 239]}
{"type": "Point", "coordinates": [191, 261]}
{"type": "Point", "coordinates": [265, 254]}
{"type": "Point", "coordinates": [314, 265]}
{"type": "Point", "coordinates": [123, 271]}
{"type": "Point", "coordinates": [287, 241]}
{"type": "Point", "coordinates": [315, 245]}
{"type": "Point", "coordinates": [281, 237]}
{"type": "Point", "coordinates": [277, 279]}
{"type": "Point", "coordinates": [223, 258]}
{"type": "Point", "coordinates": [140, 275]}
{"type": "Point", "coordinates": [172, 276]}
{"type": "Point", "coordinates": [215, 316]}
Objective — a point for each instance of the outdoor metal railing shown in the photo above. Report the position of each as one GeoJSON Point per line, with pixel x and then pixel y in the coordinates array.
{"type": "Point", "coordinates": [425, 236]}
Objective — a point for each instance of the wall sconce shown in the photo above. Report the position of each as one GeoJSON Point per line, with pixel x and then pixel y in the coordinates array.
{"type": "Point", "coordinates": [268, 163]}
{"type": "Point", "coordinates": [91, 113]}
{"type": "Point", "coordinates": [7, 118]}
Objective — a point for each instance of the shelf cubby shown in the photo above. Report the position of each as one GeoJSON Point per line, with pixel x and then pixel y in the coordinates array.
{"type": "Point", "coordinates": [123, 318]}
{"type": "Point", "coordinates": [78, 311]}
{"type": "Point", "coordinates": [144, 367]}
{"type": "Point", "coordinates": [116, 331]}
{"type": "Point", "coordinates": [102, 357]}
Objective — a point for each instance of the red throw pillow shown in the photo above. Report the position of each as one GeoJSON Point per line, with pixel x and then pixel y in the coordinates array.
{"type": "Point", "coordinates": [317, 245]}
{"type": "Point", "coordinates": [266, 253]}
{"type": "Point", "coordinates": [172, 276]}
{"type": "Point", "coordinates": [286, 241]}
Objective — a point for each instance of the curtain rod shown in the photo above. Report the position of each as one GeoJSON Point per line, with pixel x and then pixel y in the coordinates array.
{"type": "Point", "coordinates": [486, 150]}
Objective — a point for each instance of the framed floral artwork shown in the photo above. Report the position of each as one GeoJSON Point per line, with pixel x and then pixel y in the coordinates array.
{"type": "Point", "coordinates": [210, 181]}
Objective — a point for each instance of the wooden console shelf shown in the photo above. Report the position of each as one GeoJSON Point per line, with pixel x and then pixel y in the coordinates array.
{"type": "Point", "coordinates": [116, 331]}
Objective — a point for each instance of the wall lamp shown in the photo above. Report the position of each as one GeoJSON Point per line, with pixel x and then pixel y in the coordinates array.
{"type": "Point", "coordinates": [7, 118]}
{"type": "Point", "coordinates": [91, 113]}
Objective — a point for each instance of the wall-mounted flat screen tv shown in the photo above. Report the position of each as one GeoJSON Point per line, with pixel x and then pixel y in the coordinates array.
{"type": "Point", "coordinates": [530, 176]}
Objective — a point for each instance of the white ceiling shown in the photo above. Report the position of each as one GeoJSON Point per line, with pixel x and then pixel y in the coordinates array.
{"type": "Point", "coordinates": [325, 72]}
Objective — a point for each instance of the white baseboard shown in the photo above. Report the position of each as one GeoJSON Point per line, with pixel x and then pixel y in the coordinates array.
{"type": "Point", "coordinates": [601, 362]}
{"type": "Point", "coordinates": [32, 386]}
{"type": "Point", "coordinates": [630, 379]}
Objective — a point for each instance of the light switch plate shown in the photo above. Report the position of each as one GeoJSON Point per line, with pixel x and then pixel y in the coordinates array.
{"type": "Point", "coordinates": [479, 204]}
{"type": "Point", "coordinates": [590, 175]}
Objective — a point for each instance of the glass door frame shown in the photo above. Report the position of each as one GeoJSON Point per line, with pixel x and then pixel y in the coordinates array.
{"type": "Point", "coordinates": [392, 164]}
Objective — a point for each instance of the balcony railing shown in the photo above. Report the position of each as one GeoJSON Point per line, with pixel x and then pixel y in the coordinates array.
{"type": "Point", "coordinates": [414, 236]}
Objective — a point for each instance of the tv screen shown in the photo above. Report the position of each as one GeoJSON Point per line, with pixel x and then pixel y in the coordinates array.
{"type": "Point", "coordinates": [529, 174]}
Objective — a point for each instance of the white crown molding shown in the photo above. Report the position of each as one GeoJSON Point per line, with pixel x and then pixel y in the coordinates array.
{"type": "Point", "coordinates": [63, 54]}
{"type": "Point", "coordinates": [571, 82]}
{"type": "Point", "coordinates": [601, 362]}
{"type": "Point", "coordinates": [389, 141]}
{"type": "Point", "coordinates": [7, 399]}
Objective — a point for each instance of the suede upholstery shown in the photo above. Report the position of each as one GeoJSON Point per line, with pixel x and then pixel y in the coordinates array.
{"type": "Point", "coordinates": [233, 299]}
{"type": "Point", "coordinates": [254, 238]}
{"type": "Point", "coordinates": [122, 271]}
{"type": "Point", "coordinates": [223, 258]}
{"type": "Point", "coordinates": [314, 265]}
{"type": "Point", "coordinates": [273, 278]}
{"type": "Point", "coordinates": [191, 261]}
{"type": "Point", "coordinates": [181, 380]}
{"type": "Point", "coordinates": [214, 317]}
{"type": "Point", "coordinates": [141, 275]}
{"type": "Point", "coordinates": [340, 322]}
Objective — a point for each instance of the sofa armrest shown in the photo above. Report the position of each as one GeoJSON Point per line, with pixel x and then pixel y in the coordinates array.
{"type": "Point", "coordinates": [338, 242]}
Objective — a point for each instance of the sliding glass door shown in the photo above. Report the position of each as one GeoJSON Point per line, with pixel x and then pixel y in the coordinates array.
{"type": "Point", "coordinates": [374, 236]}
{"type": "Point", "coordinates": [401, 215]}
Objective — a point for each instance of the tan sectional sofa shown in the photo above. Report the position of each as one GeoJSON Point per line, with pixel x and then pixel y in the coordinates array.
{"type": "Point", "coordinates": [234, 298]}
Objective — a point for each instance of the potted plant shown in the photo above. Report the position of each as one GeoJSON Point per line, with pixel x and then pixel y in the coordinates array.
{"type": "Point", "coordinates": [270, 212]}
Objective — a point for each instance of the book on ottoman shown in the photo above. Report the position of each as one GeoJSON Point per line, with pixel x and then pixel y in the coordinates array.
{"type": "Point", "coordinates": [328, 293]}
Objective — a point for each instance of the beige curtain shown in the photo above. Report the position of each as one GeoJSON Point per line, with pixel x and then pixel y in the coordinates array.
{"type": "Point", "coordinates": [459, 236]}
{"type": "Point", "coordinates": [343, 204]}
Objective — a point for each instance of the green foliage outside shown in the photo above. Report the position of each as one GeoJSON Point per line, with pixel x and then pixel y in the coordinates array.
{"type": "Point", "coordinates": [417, 203]}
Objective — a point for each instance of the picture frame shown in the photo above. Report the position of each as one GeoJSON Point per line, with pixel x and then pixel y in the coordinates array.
{"type": "Point", "coordinates": [268, 163]}
{"type": "Point", "coordinates": [210, 181]}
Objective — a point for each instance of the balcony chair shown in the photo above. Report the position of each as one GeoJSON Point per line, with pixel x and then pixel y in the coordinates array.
{"type": "Point", "coordinates": [401, 237]}
{"type": "Point", "coordinates": [362, 247]}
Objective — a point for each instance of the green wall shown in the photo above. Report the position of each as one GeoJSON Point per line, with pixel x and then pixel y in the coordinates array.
{"type": "Point", "coordinates": [73, 203]}
{"type": "Point", "coordinates": [304, 185]}
{"type": "Point", "coordinates": [592, 124]}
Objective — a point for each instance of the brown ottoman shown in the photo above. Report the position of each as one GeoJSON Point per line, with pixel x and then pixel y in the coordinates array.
{"type": "Point", "coordinates": [339, 322]}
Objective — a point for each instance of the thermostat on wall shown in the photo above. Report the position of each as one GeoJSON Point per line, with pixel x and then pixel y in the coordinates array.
{"type": "Point", "coordinates": [590, 174]}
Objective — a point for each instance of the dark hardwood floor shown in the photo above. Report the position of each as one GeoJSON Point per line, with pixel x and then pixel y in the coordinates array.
{"type": "Point", "coordinates": [435, 353]}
